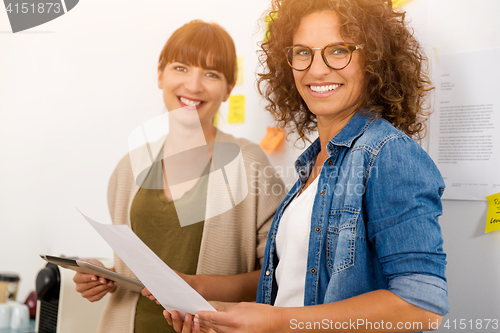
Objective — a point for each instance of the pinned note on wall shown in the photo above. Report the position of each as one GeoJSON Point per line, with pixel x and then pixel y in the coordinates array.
{"type": "Point", "coordinates": [399, 3]}
{"type": "Point", "coordinates": [269, 18]}
{"type": "Point", "coordinates": [216, 119]}
{"type": "Point", "coordinates": [493, 216]}
{"type": "Point", "coordinates": [236, 113]}
{"type": "Point", "coordinates": [272, 140]}
{"type": "Point", "coordinates": [240, 70]}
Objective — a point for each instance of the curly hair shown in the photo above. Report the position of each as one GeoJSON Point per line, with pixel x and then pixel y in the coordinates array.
{"type": "Point", "coordinates": [396, 81]}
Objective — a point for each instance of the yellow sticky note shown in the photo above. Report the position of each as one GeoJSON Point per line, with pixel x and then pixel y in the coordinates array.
{"type": "Point", "coordinates": [272, 140]}
{"type": "Point", "coordinates": [399, 3]}
{"type": "Point", "coordinates": [239, 73]}
{"type": "Point", "coordinates": [236, 112]}
{"type": "Point", "coordinates": [272, 16]}
{"type": "Point", "coordinates": [216, 119]}
{"type": "Point", "coordinates": [493, 217]}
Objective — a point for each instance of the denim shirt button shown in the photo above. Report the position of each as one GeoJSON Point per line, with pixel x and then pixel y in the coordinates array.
{"type": "Point", "coordinates": [318, 229]}
{"type": "Point", "coordinates": [322, 193]}
{"type": "Point", "coordinates": [313, 271]}
{"type": "Point", "coordinates": [268, 272]}
{"type": "Point", "coordinates": [302, 173]}
{"type": "Point", "coordinates": [330, 162]}
{"type": "Point", "coordinates": [299, 163]}
{"type": "Point", "coordinates": [272, 236]}
{"type": "Point", "coordinates": [330, 148]}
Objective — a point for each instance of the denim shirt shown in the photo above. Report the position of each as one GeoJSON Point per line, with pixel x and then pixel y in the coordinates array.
{"type": "Point", "coordinates": [374, 223]}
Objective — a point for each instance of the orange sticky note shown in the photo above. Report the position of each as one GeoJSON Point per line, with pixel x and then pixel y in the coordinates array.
{"type": "Point", "coordinates": [236, 113]}
{"type": "Point", "coordinates": [493, 216]}
{"type": "Point", "coordinates": [272, 140]}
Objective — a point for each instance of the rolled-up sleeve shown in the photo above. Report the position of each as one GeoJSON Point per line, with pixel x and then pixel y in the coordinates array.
{"type": "Point", "coordinates": [412, 287]}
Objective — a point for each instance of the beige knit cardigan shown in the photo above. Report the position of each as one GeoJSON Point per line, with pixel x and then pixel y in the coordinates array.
{"type": "Point", "coordinates": [232, 242]}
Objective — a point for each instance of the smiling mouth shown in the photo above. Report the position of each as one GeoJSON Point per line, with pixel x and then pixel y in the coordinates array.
{"type": "Point", "coordinates": [190, 102]}
{"type": "Point", "coordinates": [324, 89]}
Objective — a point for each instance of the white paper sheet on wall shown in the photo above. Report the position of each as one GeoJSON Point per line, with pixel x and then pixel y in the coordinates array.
{"type": "Point", "coordinates": [169, 289]}
{"type": "Point", "coordinates": [465, 126]}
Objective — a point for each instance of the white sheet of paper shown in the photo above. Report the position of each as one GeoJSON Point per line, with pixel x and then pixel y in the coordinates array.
{"type": "Point", "coordinates": [464, 136]}
{"type": "Point", "coordinates": [170, 289]}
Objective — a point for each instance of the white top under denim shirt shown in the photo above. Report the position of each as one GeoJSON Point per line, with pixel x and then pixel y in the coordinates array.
{"type": "Point", "coordinates": [292, 242]}
{"type": "Point", "coordinates": [374, 223]}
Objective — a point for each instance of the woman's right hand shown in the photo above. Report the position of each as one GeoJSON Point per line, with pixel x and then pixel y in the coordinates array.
{"type": "Point", "coordinates": [91, 286]}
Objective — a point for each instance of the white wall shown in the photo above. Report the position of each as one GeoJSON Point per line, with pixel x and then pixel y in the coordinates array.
{"type": "Point", "coordinates": [71, 91]}
{"type": "Point", "coordinates": [452, 26]}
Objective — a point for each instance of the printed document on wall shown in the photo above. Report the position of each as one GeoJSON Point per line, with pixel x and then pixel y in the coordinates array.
{"type": "Point", "coordinates": [465, 126]}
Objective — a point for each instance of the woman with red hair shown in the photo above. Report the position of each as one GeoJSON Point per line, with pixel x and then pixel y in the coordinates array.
{"type": "Point", "coordinates": [196, 72]}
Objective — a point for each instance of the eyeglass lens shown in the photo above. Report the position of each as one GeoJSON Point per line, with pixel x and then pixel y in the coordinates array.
{"type": "Point", "coordinates": [336, 56]}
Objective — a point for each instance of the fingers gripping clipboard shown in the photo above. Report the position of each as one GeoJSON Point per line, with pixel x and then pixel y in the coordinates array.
{"type": "Point", "coordinates": [88, 268]}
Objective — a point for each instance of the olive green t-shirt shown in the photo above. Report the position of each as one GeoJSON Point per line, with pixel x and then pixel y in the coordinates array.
{"type": "Point", "coordinates": [155, 221]}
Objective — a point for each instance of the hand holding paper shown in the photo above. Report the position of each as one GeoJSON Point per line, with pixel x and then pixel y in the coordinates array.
{"type": "Point", "coordinates": [167, 287]}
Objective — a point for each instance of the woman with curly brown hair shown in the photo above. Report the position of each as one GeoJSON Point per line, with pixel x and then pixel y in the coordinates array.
{"type": "Point", "coordinates": [395, 83]}
{"type": "Point", "coordinates": [356, 244]}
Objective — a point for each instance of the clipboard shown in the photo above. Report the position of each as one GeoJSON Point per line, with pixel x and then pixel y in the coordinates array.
{"type": "Point", "coordinates": [88, 268]}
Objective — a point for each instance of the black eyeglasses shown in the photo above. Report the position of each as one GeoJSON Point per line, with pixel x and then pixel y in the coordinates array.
{"type": "Point", "coordinates": [336, 56]}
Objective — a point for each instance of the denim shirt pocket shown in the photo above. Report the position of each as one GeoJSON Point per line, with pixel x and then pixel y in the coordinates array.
{"type": "Point", "coordinates": [341, 239]}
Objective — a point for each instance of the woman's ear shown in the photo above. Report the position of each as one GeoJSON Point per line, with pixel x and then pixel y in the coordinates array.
{"type": "Point", "coordinates": [160, 77]}
{"type": "Point", "coordinates": [229, 89]}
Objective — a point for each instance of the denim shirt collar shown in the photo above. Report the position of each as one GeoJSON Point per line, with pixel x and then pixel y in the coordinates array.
{"type": "Point", "coordinates": [354, 129]}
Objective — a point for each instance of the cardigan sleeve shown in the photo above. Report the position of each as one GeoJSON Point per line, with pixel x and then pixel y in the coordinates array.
{"type": "Point", "coordinates": [269, 189]}
{"type": "Point", "coordinates": [234, 241]}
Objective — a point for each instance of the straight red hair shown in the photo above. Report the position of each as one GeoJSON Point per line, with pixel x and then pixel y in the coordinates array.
{"type": "Point", "coordinates": [202, 44]}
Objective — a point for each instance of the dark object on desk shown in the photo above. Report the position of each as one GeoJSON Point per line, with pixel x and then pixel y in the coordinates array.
{"type": "Point", "coordinates": [31, 303]}
{"type": "Point", "coordinates": [9, 283]}
{"type": "Point", "coordinates": [61, 309]}
{"type": "Point", "coordinates": [48, 283]}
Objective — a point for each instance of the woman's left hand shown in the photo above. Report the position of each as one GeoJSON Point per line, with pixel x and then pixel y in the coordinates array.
{"type": "Point", "coordinates": [183, 325]}
{"type": "Point", "coordinates": [237, 318]}
{"type": "Point", "coordinates": [148, 294]}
